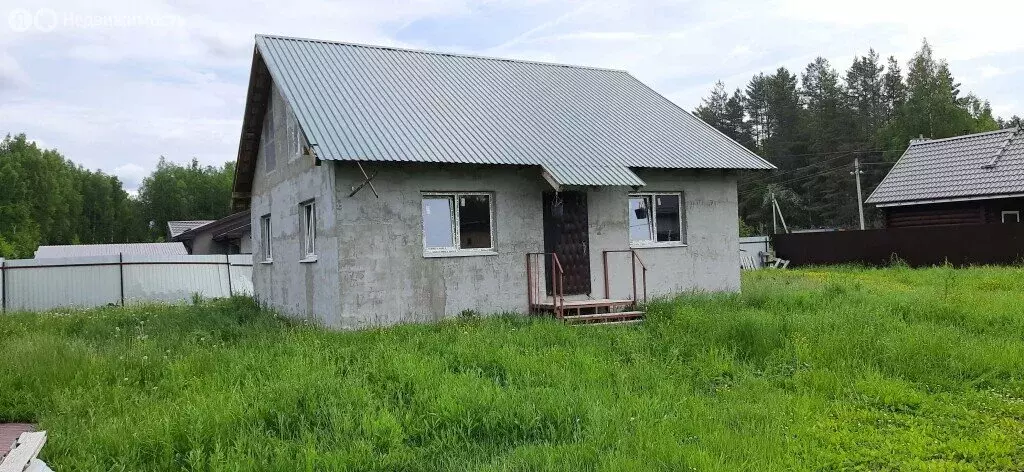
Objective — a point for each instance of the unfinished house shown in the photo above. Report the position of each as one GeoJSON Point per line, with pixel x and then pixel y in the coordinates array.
{"type": "Point", "coordinates": [389, 185]}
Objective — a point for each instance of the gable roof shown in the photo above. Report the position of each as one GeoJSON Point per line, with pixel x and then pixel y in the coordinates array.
{"type": "Point", "coordinates": [174, 228]}
{"type": "Point", "coordinates": [86, 250]}
{"type": "Point", "coordinates": [975, 166]}
{"type": "Point", "coordinates": [582, 125]}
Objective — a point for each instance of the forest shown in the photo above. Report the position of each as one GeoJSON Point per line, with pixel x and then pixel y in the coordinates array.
{"type": "Point", "coordinates": [814, 125]}
{"type": "Point", "coordinates": [48, 199]}
{"type": "Point", "coordinates": [811, 126]}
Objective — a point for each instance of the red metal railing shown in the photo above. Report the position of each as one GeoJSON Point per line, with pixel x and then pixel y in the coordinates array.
{"type": "Point", "coordinates": [534, 278]}
{"type": "Point", "coordinates": [633, 259]}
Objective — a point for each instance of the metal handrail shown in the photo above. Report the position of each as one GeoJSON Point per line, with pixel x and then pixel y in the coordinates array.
{"type": "Point", "coordinates": [557, 282]}
{"type": "Point", "coordinates": [634, 258]}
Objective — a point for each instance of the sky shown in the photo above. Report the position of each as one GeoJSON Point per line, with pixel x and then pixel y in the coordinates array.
{"type": "Point", "coordinates": [116, 84]}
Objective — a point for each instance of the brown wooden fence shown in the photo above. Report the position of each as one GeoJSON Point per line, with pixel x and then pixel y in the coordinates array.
{"type": "Point", "coordinates": [998, 244]}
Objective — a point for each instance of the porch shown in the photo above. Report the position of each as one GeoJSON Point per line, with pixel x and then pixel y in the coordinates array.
{"type": "Point", "coordinates": [547, 295]}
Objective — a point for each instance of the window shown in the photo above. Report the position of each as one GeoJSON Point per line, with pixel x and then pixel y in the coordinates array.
{"type": "Point", "coordinates": [268, 253]}
{"type": "Point", "coordinates": [454, 222]}
{"type": "Point", "coordinates": [1011, 217]}
{"type": "Point", "coordinates": [656, 219]}
{"type": "Point", "coordinates": [309, 230]}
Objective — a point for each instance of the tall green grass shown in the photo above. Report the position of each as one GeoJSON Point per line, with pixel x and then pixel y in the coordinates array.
{"type": "Point", "coordinates": [847, 368]}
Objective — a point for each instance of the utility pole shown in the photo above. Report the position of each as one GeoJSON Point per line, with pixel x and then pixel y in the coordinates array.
{"type": "Point", "coordinates": [860, 196]}
{"type": "Point", "coordinates": [775, 219]}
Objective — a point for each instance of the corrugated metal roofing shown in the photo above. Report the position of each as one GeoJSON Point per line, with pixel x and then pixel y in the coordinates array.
{"type": "Point", "coordinates": [87, 250]}
{"type": "Point", "coordinates": [975, 165]}
{"type": "Point", "coordinates": [584, 126]}
{"type": "Point", "coordinates": [177, 227]}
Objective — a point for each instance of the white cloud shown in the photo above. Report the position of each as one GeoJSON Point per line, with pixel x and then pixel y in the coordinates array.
{"type": "Point", "coordinates": [172, 81]}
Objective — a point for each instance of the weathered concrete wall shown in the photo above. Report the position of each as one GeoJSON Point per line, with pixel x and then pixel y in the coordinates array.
{"type": "Point", "coordinates": [296, 288]}
{"type": "Point", "coordinates": [708, 260]}
{"type": "Point", "coordinates": [385, 276]}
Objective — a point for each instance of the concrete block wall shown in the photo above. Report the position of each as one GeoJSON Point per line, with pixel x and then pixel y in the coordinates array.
{"type": "Point", "coordinates": [295, 287]}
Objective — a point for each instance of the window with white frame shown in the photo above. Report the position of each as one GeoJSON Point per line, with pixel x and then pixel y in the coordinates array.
{"type": "Point", "coordinates": [267, 251]}
{"type": "Point", "coordinates": [309, 230]}
{"type": "Point", "coordinates": [458, 221]}
{"type": "Point", "coordinates": [1011, 217]}
{"type": "Point", "coordinates": [656, 219]}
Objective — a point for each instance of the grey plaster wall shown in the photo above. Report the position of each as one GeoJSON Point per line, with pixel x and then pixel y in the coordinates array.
{"type": "Point", "coordinates": [385, 277]}
{"type": "Point", "coordinates": [707, 261]}
{"type": "Point", "coordinates": [294, 287]}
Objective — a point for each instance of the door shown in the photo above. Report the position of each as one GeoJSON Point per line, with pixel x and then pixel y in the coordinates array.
{"type": "Point", "coordinates": [567, 233]}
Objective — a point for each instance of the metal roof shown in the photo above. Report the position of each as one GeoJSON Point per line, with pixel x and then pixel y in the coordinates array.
{"type": "Point", "coordinates": [177, 227]}
{"type": "Point", "coordinates": [980, 165]}
{"type": "Point", "coordinates": [584, 126]}
{"type": "Point", "coordinates": [86, 250]}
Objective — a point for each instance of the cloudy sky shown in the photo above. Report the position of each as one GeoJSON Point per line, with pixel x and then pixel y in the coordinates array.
{"type": "Point", "coordinates": [116, 84]}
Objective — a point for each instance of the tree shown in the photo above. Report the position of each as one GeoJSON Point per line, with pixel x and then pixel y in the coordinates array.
{"type": "Point", "coordinates": [726, 114]}
{"type": "Point", "coordinates": [190, 192]}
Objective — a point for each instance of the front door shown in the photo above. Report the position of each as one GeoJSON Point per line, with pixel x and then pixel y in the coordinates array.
{"type": "Point", "coordinates": [567, 233]}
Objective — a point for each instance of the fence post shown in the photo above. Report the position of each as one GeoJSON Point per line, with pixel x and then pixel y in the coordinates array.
{"type": "Point", "coordinates": [120, 269]}
{"type": "Point", "coordinates": [3, 286]}
{"type": "Point", "coordinates": [231, 291]}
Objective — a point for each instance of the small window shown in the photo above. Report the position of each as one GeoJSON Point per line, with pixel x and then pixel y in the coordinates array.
{"type": "Point", "coordinates": [309, 230]}
{"type": "Point", "coordinates": [268, 253]}
{"type": "Point", "coordinates": [656, 219]}
{"type": "Point", "coordinates": [1011, 217]}
{"type": "Point", "coordinates": [457, 222]}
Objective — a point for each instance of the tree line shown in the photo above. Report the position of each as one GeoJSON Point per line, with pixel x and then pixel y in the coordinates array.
{"type": "Point", "coordinates": [48, 199]}
{"type": "Point", "coordinates": [813, 126]}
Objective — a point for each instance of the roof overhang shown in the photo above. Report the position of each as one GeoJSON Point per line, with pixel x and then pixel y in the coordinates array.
{"type": "Point", "coordinates": [256, 101]}
{"type": "Point", "coordinates": [950, 200]}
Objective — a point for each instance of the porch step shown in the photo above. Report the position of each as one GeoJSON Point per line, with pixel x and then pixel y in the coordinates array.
{"type": "Point", "coordinates": [595, 303]}
{"type": "Point", "coordinates": [621, 317]}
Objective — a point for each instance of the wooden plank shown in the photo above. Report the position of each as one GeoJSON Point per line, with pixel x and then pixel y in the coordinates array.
{"type": "Point", "coordinates": [25, 449]}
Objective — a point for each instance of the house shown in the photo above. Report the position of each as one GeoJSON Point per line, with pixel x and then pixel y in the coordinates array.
{"type": "Point", "coordinates": [965, 180]}
{"type": "Point", "coordinates": [228, 235]}
{"type": "Point", "coordinates": [391, 185]}
{"type": "Point", "coordinates": [174, 228]}
{"type": "Point", "coordinates": [130, 249]}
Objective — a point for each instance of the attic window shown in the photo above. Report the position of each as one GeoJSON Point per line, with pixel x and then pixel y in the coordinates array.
{"type": "Point", "coordinates": [457, 223]}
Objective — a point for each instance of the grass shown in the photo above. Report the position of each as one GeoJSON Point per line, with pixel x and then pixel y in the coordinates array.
{"type": "Point", "coordinates": [893, 369]}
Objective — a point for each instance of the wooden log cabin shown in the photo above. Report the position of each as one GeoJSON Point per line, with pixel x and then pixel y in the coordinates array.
{"type": "Point", "coordinates": [964, 180]}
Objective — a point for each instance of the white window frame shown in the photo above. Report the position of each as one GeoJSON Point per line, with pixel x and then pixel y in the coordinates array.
{"type": "Point", "coordinates": [308, 216]}
{"type": "Point", "coordinates": [653, 242]}
{"type": "Point", "coordinates": [266, 240]}
{"type": "Point", "coordinates": [455, 250]}
{"type": "Point", "coordinates": [1015, 213]}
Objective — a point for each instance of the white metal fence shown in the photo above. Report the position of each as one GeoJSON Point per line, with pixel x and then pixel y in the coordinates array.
{"type": "Point", "coordinates": [751, 250]}
{"type": "Point", "coordinates": [45, 284]}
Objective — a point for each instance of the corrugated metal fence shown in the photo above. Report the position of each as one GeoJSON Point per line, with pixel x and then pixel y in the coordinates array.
{"type": "Point", "coordinates": [959, 245]}
{"type": "Point", "coordinates": [45, 284]}
{"type": "Point", "coordinates": [752, 251]}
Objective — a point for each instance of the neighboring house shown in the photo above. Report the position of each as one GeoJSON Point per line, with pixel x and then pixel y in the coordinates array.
{"type": "Point", "coordinates": [174, 228]}
{"type": "Point", "coordinates": [131, 249]}
{"type": "Point", "coordinates": [228, 235]}
{"type": "Point", "coordinates": [972, 179]}
{"type": "Point", "coordinates": [391, 185]}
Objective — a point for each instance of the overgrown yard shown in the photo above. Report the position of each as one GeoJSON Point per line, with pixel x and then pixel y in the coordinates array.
{"type": "Point", "coordinates": [812, 369]}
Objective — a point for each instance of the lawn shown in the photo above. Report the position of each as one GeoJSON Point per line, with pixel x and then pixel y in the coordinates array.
{"type": "Point", "coordinates": [893, 369]}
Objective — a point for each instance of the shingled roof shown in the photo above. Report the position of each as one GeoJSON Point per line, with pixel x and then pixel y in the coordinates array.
{"type": "Point", "coordinates": [582, 125]}
{"type": "Point", "coordinates": [971, 167]}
